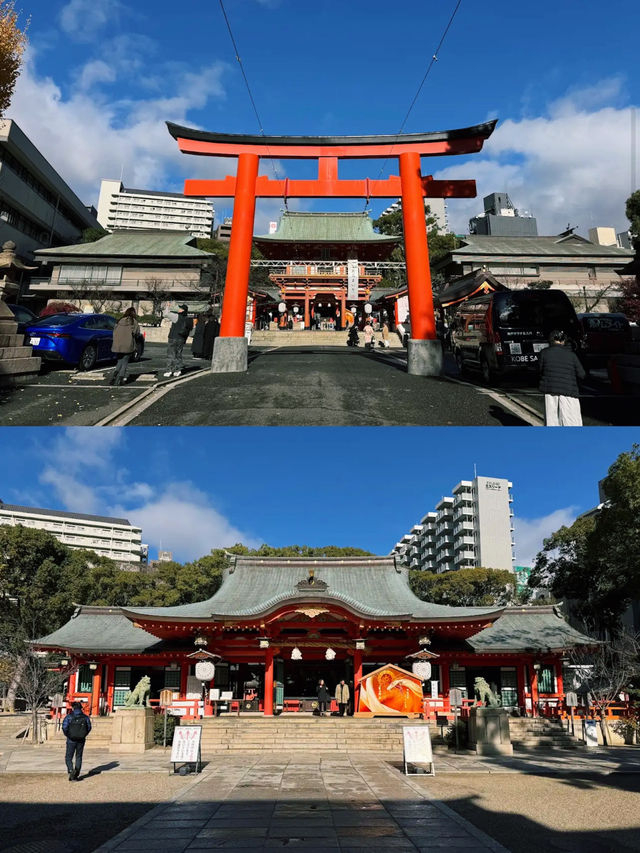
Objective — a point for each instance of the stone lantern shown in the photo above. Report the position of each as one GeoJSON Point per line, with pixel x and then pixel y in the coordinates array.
{"type": "Point", "coordinates": [17, 364]}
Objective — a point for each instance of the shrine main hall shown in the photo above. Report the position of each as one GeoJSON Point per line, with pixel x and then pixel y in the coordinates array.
{"type": "Point", "coordinates": [277, 625]}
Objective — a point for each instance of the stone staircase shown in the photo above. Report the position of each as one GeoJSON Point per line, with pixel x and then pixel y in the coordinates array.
{"type": "Point", "coordinates": [306, 733]}
{"type": "Point", "coordinates": [308, 338]}
{"type": "Point", "coordinates": [100, 737]}
{"type": "Point", "coordinates": [540, 733]}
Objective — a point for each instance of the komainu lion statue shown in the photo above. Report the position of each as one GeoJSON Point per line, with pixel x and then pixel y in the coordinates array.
{"type": "Point", "coordinates": [485, 694]}
{"type": "Point", "coordinates": [139, 696]}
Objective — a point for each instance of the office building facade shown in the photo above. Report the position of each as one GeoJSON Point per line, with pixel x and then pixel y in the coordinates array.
{"type": "Point", "coordinates": [37, 208]}
{"type": "Point", "coordinates": [115, 538]}
{"type": "Point", "coordinates": [472, 527]}
{"type": "Point", "coordinates": [122, 209]}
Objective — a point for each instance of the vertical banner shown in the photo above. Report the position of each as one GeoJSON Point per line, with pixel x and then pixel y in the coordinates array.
{"type": "Point", "coordinates": [353, 275]}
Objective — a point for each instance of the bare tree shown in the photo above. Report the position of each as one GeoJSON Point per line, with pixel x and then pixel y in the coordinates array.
{"type": "Point", "coordinates": [606, 672]}
{"type": "Point", "coordinates": [158, 291]}
{"type": "Point", "coordinates": [40, 677]}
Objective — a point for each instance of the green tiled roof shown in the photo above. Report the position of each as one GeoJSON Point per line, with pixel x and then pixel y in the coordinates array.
{"type": "Point", "coordinates": [482, 244]}
{"type": "Point", "coordinates": [100, 629]}
{"type": "Point", "coordinates": [534, 629]}
{"type": "Point", "coordinates": [370, 586]}
{"type": "Point", "coordinates": [155, 244]}
{"type": "Point", "coordinates": [326, 228]}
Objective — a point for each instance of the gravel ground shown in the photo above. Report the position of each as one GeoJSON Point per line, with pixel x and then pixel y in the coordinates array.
{"type": "Point", "coordinates": [530, 814]}
{"type": "Point", "coordinates": [46, 812]}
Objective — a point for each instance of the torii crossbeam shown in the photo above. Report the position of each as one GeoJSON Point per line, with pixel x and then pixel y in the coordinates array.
{"type": "Point", "coordinates": [424, 355]}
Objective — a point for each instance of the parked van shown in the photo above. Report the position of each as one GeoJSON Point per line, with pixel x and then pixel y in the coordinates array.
{"type": "Point", "coordinates": [505, 331]}
{"type": "Point", "coordinates": [603, 335]}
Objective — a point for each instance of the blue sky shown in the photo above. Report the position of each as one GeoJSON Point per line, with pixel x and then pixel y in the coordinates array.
{"type": "Point", "coordinates": [102, 76]}
{"type": "Point", "coordinates": [192, 489]}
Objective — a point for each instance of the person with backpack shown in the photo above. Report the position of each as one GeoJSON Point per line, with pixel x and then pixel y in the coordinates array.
{"type": "Point", "coordinates": [75, 726]}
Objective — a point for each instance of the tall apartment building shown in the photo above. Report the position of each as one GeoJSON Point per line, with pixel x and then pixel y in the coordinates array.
{"type": "Point", "coordinates": [116, 538]}
{"type": "Point", "coordinates": [37, 208]}
{"type": "Point", "coordinates": [473, 527]}
{"type": "Point", "coordinates": [120, 209]}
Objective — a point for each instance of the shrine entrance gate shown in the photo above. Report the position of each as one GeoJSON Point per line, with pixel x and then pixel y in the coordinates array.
{"type": "Point", "coordinates": [424, 356]}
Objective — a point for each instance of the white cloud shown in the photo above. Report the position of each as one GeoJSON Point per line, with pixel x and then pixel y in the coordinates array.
{"type": "Point", "coordinates": [77, 458]}
{"type": "Point", "coordinates": [86, 136]}
{"type": "Point", "coordinates": [530, 532]}
{"type": "Point", "coordinates": [181, 519]}
{"type": "Point", "coordinates": [571, 165]}
{"type": "Point", "coordinates": [83, 19]}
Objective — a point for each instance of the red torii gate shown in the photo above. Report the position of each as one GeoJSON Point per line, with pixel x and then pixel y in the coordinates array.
{"type": "Point", "coordinates": [424, 352]}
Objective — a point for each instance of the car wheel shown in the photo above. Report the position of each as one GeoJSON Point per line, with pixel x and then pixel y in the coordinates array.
{"type": "Point", "coordinates": [488, 375]}
{"type": "Point", "coordinates": [88, 357]}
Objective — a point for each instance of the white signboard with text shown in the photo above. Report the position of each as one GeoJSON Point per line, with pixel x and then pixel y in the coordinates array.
{"type": "Point", "coordinates": [185, 748]}
{"type": "Point", "coordinates": [353, 275]}
{"type": "Point", "coordinates": [417, 747]}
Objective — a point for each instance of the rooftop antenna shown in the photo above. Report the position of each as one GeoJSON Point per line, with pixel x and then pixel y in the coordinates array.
{"type": "Point", "coordinates": [121, 172]}
{"type": "Point", "coordinates": [633, 150]}
{"type": "Point", "coordinates": [475, 471]}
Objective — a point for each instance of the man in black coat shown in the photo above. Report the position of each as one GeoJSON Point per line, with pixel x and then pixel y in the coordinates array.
{"type": "Point", "coordinates": [75, 726]}
{"type": "Point", "coordinates": [560, 373]}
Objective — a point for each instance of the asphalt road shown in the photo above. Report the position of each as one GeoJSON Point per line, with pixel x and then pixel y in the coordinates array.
{"type": "Point", "coordinates": [298, 387]}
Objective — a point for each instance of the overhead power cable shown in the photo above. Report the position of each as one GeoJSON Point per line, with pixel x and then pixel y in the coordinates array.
{"type": "Point", "coordinates": [246, 80]}
{"type": "Point", "coordinates": [433, 61]}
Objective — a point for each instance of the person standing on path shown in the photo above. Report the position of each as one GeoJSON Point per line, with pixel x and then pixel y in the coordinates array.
{"type": "Point", "coordinates": [342, 697]}
{"type": "Point", "coordinates": [368, 334]}
{"type": "Point", "coordinates": [124, 345]}
{"type": "Point", "coordinates": [181, 326]}
{"type": "Point", "coordinates": [323, 697]}
{"type": "Point", "coordinates": [75, 726]}
{"type": "Point", "coordinates": [560, 373]}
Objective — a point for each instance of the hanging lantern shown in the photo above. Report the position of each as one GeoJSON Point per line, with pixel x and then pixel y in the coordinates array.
{"type": "Point", "coordinates": [422, 669]}
{"type": "Point", "coordinates": [296, 654]}
{"type": "Point", "coordinates": [330, 654]}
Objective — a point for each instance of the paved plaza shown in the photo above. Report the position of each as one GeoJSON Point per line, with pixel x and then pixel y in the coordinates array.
{"type": "Point", "coordinates": [583, 800]}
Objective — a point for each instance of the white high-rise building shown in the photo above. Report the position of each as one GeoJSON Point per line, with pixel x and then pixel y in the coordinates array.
{"type": "Point", "coordinates": [437, 209]}
{"type": "Point", "coordinates": [473, 527]}
{"type": "Point", "coordinates": [116, 538]}
{"type": "Point", "coordinates": [121, 209]}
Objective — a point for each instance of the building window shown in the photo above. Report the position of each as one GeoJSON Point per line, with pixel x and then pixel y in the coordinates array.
{"type": "Point", "coordinates": [90, 273]}
{"type": "Point", "coordinates": [546, 680]}
{"type": "Point", "coordinates": [84, 679]}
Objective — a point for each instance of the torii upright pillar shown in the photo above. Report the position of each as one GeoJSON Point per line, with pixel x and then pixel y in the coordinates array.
{"type": "Point", "coordinates": [424, 356]}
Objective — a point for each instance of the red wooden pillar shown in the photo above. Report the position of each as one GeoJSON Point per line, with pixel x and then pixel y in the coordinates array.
{"type": "Point", "coordinates": [357, 677]}
{"type": "Point", "coordinates": [236, 287]}
{"type": "Point", "coordinates": [535, 696]}
{"type": "Point", "coordinates": [521, 678]}
{"type": "Point", "coordinates": [109, 671]}
{"type": "Point", "coordinates": [184, 676]}
{"type": "Point", "coordinates": [268, 683]}
{"type": "Point", "coordinates": [423, 324]}
{"type": "Point", "coordinates": [95, 691]}
{"type": "Point", "coordinates": [231, 347]}
{"type": "Point", "coordinates": [444, 679]}
{"type": "Point", "coordinates": [307, 315]}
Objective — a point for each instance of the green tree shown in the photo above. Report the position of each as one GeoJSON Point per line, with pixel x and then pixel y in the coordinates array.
{"type": "Point", "coordinates": [90, 235]}
{"type": "Point", "coordinates": [477, 587]}
{"type": "Point", "coordinates": [594, 563]}
{"type": "Point", "coordinates": [633, 215]}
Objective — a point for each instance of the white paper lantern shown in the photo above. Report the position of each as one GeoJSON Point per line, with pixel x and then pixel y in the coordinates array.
{"type": "Point", "coordinates": [330, 654]}
{"type": "Point", "coordinates": [422, 669]}
{"type": "Point", "coordinates": [296, 654]}
{"type": "Point", "coordinates": [205, 670]}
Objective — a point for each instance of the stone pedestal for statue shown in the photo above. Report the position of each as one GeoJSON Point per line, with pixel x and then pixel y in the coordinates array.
{"type": "Point", "coordinates": [17, 363]}
{"type": "Point", "coordinates": [132, 730]}
{"type": "Point", "coordinates": [489, 731]}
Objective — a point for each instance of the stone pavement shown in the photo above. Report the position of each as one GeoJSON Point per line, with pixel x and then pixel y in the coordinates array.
{"type": "Point", "coordinates": [307, 802]}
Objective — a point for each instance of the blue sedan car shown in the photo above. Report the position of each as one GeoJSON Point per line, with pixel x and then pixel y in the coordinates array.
{"type": "Point", "coordinates": [80, 339]}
